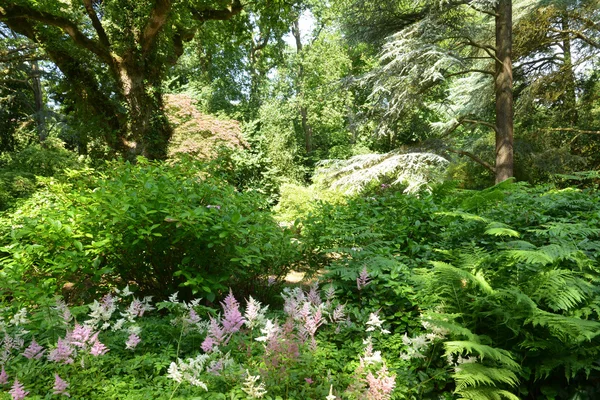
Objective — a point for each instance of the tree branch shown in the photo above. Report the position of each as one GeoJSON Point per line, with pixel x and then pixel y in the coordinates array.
{"type": "Point", "coordinates": [158, 17]}
{"type": "Point", "coordinates": [15, 12]}
{"type": "Point", "coordinates": [474, 121]}
{"type": "Point", "coordinates": [491, 13]}
{"type": "Point", "coordinates": [468, 71]}
{"type": "Point", "coordinates": [578, 35]}
{"type": "Point", "coordinates": [220, 15]}
{"type": "Point", "coordinates": [96, 23]}
{"type": "Point", "coordinates": [580, 131]}
{"type": "Point", "coordinates": [474, 158]}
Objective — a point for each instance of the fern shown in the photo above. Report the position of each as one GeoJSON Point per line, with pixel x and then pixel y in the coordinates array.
{"type": "Point", "coordinates": [450, 275]}
{"type": "Point", "coordinates": [500, 229]}
{"type": "Point", "coordinates": [560, 289]}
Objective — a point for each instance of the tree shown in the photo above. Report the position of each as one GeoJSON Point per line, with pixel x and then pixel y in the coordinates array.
{"type": "Point", "coordinates": [116, 54]}
{"type": "Point", "coordinates": [434, 43]}
{"type": "Point", "coordinates": [21, 93]}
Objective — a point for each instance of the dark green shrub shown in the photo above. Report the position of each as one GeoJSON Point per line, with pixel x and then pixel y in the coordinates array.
{"type": "Point", "coordinates": [161, 227]}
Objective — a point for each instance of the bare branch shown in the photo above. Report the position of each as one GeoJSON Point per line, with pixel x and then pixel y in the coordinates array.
{"type": "Point", "coordinates": [96, 23]}
{"type": "Point", "coordinates": [579, 131]}
{"type": "Point", "coordinates": [474, 158]}
{"type": "Point", "coordinates": [16, 12]}
{"type": "Point", "coordinates": [474, 121]}
{"type": "Point", "coordinates": [468, 71]}
{"type": "Point", "coordinates": [220, 14]}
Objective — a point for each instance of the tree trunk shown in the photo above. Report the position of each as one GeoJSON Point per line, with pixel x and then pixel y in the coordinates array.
{"type": "Point", "coordinates": [306, 127]}
{"type": "Point", "coordinates": [149, 130]}
{"type": "Point", "coordinates": [504, 92]}
{"type": "Point", "coordinates": [38, 95]}
{"type": "Point", "coordinates": [570, 98]}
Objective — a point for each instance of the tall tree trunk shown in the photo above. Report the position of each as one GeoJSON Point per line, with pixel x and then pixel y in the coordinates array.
{"type": "Point", "coordinates": [38, 95]}
{"type": "Point", "coordinates": [570, 98]}
{"type": "Point", "coordinates": [306, 126]}
{"type": "Point", "coordinates": [504, 92]}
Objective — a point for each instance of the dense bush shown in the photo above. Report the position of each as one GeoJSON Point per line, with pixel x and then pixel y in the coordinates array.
{"type": "Point", "coordinates": [161, 227]}
{"type": "Point", "coordinates": [509, 274]}
{"type": "Point", "coordinates": [19, 171]}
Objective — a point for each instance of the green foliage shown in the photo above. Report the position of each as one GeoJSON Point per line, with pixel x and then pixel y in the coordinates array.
{"type": "Point", "coordinates": [162, 227]}
{"type": "Point", "coordinates": [509, 273]}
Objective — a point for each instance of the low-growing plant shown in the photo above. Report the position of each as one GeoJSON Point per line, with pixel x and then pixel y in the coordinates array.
{"type": "Point", "coordinates": [118, 347]}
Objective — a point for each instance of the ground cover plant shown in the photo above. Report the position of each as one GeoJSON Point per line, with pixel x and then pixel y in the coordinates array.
{"type": "Point", "coordinates": [452, 294]}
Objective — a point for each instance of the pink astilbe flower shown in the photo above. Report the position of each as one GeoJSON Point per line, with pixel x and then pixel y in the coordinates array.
{"type": "Point", "coordinates": [216, 335]}
{"type": "Point", "coordinates": [3, 377]}
{"type": "Point", "coordinates": [293, 301]}
{"type": "Point", "coordinates": [17, 391]}
{"type": "Point", "coordinates": [81, 335]}
{"type": "Point", "coordinates": [313, 295]}
{"type": "Point", "coordinates": [363, 279]}
{"type": "Point", "coordinates": [98, 349]}
{"type": "Point", "coordinates": [62, 353]}
{"type": "Point", "coordinates": [60, 386]}
{"type": "Point", "coordinates": [380, 386]}
{"type": "Point", "coordinates": [34, 351]}
{"type": "Point", "coordinates": [193, 317]}
{"type": "Point", "coordinates": [232, 317]}
{"type": "Point", "coordinates": [311, 324]}
{"type": "Point", "coordinates": [132, 341]}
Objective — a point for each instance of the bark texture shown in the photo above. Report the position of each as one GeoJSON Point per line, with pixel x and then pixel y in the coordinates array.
{"type": "Point", "coordinates": [504, 92]}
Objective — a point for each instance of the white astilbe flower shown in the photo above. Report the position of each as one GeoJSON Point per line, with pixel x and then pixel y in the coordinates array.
{"type": "Point", "coordinates": [137, 308]}
{"type": "Point", "coordinates": [331, 396]}
{"type": "Point", "coordinates": [101, 311]}
{"type": "Point", "coordinates": [189, 370]}
{"type": "Point", "coordinates": [173, 298]}
{"type": "Point", "coordinates": [254, 314]}
{"type": "Point", "coordinates": [269, 331]}
{"type": "Point", "coordinates": [20, 318]}
{"type": "Point", "coordinates": [125, 292]}
{"type": "Point", "coordinates": [374, 323]}
{"type": "Point", "coordinates": [250, 387]}
{"type": "Point", "coordinates": [119, 324]}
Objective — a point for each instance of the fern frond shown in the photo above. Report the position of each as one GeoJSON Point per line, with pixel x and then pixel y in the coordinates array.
{"type": "Point", "coordinates": [450, 274]}
{"type": "Point", "coordinates": [566, 230]}
{"type": "Point", "coordinates": [469, 375]}
{"type": "Point", "coordinates": [486, 394]}
{"type": "Point", "coordinates": [482, 351]}
{"type": "Point", "coordinates": [560, 289]}
{"type": "Point", "coordinates": [530, 256]}
{"type": "Point", "coordinates": [472, 258]}
{"type": "Point", "coordinates": [464, 215]}
{"type": "Point", "coordinates": [567, 329]}
{"type": "Point", "coordinates": [500, 229]}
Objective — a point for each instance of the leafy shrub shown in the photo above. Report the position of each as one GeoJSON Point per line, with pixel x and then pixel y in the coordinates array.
{"type": "Point", "coordinates": [510, 274]}
{"type": "Point", "coordinates": [45, 159]}
{"type": "Point", "coordinates": [162, 227]}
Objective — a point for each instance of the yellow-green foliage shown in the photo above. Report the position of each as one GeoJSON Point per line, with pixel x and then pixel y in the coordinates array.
{"type": "Point", "coordinates": [298, 201]}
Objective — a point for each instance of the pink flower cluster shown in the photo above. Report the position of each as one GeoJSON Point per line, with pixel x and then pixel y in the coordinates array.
{"type": "Point", "coordinates": [231, 322]}
{"type": "Point", "coordinates": [83, 337]}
